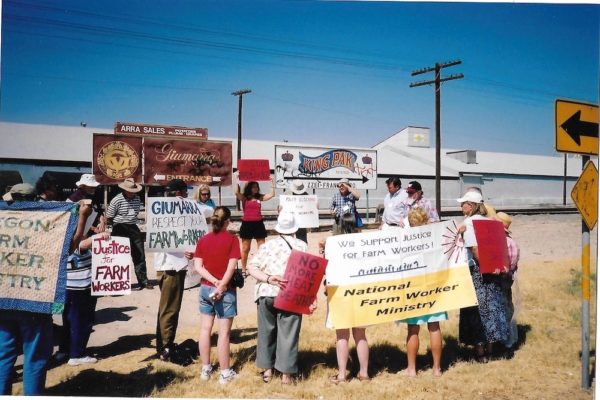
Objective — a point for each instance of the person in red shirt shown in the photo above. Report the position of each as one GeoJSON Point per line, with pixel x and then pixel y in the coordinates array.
{"type": "Point", "coordinates": [215, 260]}
{"type": "Point", "coordinates": [252, 226]}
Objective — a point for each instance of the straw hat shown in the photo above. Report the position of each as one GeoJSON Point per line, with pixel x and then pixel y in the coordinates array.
{"type": "Point", "coordinates": [505, 219]}
{"type": "Point", "coordinates": [130, 186]}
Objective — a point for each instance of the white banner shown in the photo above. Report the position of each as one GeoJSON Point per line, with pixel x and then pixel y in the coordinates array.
{"type": "Point", "coordinates": [383, 276]}
{"type": "Point", "coordinates": [305, 209]}
{"type": "Point", "coordinates": [112, 266]}
{"type": "Point", "coordinates": [174, 224]}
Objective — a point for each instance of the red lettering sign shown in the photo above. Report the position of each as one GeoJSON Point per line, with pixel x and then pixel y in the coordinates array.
{"type": "Point", "coordinates": [254, 170]}
{"type": "Point", "coordinates": [491, 245]}
{"type": "Point", "coordinates": [304, 273]}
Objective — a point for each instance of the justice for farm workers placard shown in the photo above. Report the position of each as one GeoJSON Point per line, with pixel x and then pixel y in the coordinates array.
{"type": "Point", "coordinates": [111, 266]}
{"type": "Point", "coordinates": [174, 224]}
{"type": "Point", "coordinates": [384, 276]}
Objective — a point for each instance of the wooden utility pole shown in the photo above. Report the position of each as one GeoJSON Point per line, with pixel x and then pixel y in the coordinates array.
{"type": "Point", "coordinates": [437, 81]}
{"type": "Point", "coordinates": [240, 94]}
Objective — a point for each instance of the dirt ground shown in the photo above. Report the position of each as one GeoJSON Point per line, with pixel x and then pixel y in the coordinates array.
{"type": "Point", "coordinates": [541, 237]}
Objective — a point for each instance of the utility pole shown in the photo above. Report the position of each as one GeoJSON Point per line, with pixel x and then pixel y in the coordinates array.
{"type": "Point", "coordinates": [240, 94]}
{"type": "Point", "coordinates": [437, 81]}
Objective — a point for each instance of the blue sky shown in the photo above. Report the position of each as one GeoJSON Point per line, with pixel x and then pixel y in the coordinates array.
{"type": "Point", "coordinates": [331, 73]}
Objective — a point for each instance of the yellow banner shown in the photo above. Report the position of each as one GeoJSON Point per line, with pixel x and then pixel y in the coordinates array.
{"type": "Point", "coordinates": [385, 301]}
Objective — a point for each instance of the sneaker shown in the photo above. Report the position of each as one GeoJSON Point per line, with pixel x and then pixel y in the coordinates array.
{"type": "Point", "coordinates": [225, 379]}
{"type": "Point", "coordinates": [205, 372]}
{"type": "Point", "coordinates": [83, 360]}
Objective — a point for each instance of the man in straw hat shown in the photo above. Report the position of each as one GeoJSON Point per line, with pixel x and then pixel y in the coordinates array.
{"type": "Point", "coordinates": [123, 213]}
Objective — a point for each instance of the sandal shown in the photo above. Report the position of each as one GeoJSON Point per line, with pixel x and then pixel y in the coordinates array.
{"type": "Point", "coordinates": [363, 378]}
{"type": "Point", "coordinates": [335, 380]}
{"type": "Point", "coordinates": [266, 378]}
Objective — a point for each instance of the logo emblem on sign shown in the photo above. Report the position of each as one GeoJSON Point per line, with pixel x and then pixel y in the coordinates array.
{"type": "Point", "coordinates": [118, 160]}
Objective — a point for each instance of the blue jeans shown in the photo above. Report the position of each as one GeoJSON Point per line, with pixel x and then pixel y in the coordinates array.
{"type": "Point", "coordinates": [78, 321]}
{"type": "Point", "coordinates": [34, 331]}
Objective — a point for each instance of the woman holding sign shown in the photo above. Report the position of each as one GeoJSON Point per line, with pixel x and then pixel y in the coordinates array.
{"type": "Point", "coordinates": [252, 226]}
{"type": "Point", "coordinates": [484, 324]}
{"type": "Point", "coordinates": [278, 330]}
{"type": "Point", "coordinates": [215, 260]}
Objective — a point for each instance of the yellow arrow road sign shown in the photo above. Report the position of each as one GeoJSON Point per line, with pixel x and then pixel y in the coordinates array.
{"type": "Point", "coordinates": [585, 194]}
{"type": "Point", "coordinates": [576, 127]}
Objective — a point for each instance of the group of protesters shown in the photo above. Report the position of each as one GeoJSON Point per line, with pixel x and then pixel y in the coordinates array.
{"type": "Point", "coordinates": [216, 259]}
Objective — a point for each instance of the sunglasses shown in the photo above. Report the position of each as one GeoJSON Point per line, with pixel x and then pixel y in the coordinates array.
{"type": "Point", "coordinates": [204, 194]}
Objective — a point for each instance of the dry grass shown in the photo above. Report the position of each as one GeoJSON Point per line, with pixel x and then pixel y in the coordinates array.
{"type": "Point", "coordinates": [546, 365]}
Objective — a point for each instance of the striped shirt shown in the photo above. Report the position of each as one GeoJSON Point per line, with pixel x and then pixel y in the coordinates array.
{"type": "Point", "coordinates": [79, 270]}
{"type": "Point", "coordinates": [123, 211]}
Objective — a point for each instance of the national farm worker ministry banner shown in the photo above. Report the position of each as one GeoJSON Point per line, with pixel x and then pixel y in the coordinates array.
{"type": "Point", "coordinates": [389, 275]}
{"type": "Point", "coordinates": [34, 247]}
{"type": "Point", "coordinates": [174, 224]}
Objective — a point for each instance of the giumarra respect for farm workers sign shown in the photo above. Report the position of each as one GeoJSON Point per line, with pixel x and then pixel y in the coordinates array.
{"type": "Point", "coordinates": [111, 266]}
{"type": "Point", "coordinates": [34, 246]}
{"type": "Point", "coordinates": [173, 224]}
{"type": "Point", "coordinates": [388, 275]}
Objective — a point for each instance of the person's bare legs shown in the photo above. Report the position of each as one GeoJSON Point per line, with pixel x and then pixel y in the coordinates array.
{"type": "Point", "coordinates": [223, 342]}
{"type": "Point", "coordinates": [435, 341]}
{"type": "Point", "coordinates": [342, 352]}
{"type": "Point", "coordinates": [206, 324]}
{"type": "Point", "coordinates": [412, 348]}
{"type": "Point", "coordinates": [362, 350]}
{"type": "Point", "coordinates": [246, 243]}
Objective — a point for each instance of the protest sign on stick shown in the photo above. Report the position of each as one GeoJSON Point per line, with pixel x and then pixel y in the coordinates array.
{"type": "Point", "coordinates": [305, 209]}
{"type": "Point", "coordinates": [304, 274]}
{"type": "Point", "coordinates": [34, 247]}
{"type": "Point", "coordinates": [491, 245]}
{"type": "Point", "coordinates": [383, 276]}
{"type": "Point", "coordinates": [254, 170]}
{"type": "Point", "coordinates": [174, 224]}
{"type": "Point", "coordinates": [111, 266]}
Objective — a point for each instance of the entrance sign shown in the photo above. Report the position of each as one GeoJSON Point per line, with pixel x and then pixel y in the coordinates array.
{"type": "Point", "coordinates": [116, 158]}
{"type": "Point", "coordinates": [304, 207]}
{"type": "Point", "coordinates": [384, 276]}
{"type": "Point", "coordinates": [128, 128]}
{"type": "Point", "coordinates": [174, 224]}
{"type": "Point", "coordinates": [585, 194]}
{"type": "Point", "coordinates": [576, 127]}
{"type": "Point", "coordinates": [254, 170]}
{"type": "Point", "coordinates": [322, 168]}
{"type": "Point", "coordinates": [34, 247]}
{"type": "Point", "coordinates": [195, 162]}
{"type": "Point", "coordinates": [111, 266]}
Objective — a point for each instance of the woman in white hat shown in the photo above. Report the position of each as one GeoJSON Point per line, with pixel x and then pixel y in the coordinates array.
{"type": "Point", "coordinates": [485, 324]}
{"type": "Point", "coordinates": [278, 331]}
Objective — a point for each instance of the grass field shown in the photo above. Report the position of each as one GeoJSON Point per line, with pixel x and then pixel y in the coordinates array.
{"type": "Point", "coordinates": [546, 364]}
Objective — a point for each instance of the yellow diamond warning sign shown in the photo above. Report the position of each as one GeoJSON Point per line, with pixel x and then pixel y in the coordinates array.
{"type": "Point", "coordinates": [585, 194]}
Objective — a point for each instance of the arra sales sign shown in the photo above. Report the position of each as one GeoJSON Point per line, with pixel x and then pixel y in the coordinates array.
{"type": "Point", "coordinates": [161, 130]}
{"type": "Point", "coordinates": [322, 168]}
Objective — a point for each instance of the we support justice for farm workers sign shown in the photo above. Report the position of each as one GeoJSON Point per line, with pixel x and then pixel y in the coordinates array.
{"type": "Point", "coordinates": [384, 276]}
{"type": "Point", "coordinates": [174, 224]}
{"type": "Point", "coordinates": [34, 246]}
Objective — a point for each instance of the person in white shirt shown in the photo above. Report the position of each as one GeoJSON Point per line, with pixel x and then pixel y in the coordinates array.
{"type": "Point", "coordinates": [393, 212]}
{"type": "Point", "coordinates": [170, 271]}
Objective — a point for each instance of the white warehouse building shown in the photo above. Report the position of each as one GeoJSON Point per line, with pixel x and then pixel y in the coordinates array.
{"type": "Point", "coordinates": [508, 181]}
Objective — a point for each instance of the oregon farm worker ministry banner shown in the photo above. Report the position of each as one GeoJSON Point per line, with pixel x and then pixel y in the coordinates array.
{"type": "Point", "coordinates": [384, 276]}
{"type": "Point", "coordinates": [174, 224]}
{"type": "Point", "coordinates": [305, 209]}
{"type": "Point", "coordinates": [34, 247]}
{"type": "Point", "coordinates": [111, 266]}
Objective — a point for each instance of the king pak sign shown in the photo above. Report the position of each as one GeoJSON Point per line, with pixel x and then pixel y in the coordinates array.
{"type": "Point", "coordinates": [322, 168]}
